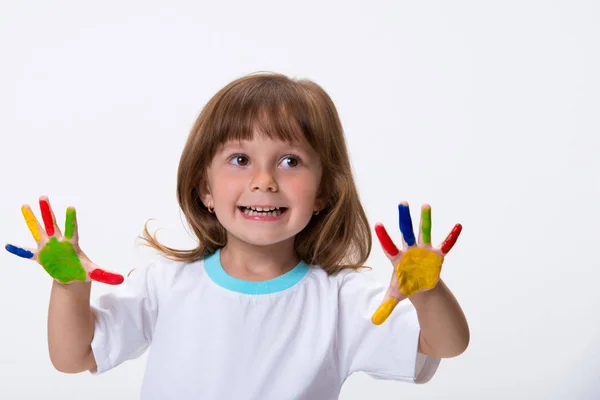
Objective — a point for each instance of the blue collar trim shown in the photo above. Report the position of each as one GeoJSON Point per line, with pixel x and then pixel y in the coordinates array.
{"type": "Point", "coordinates": [214, 269]}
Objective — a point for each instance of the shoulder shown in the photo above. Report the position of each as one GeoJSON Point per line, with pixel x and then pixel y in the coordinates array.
{"type": "Point", "coordinates": [346, 280]}
{"type": "Point", "coordinates": [359, 287]}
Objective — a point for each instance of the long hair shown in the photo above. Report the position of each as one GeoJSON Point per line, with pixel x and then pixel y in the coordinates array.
{"type": "Point", "coordinates": [339, 236]}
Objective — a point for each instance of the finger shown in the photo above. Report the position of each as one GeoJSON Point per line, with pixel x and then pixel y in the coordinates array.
{"type": "Point", "coordinates": [404, 245]}
{"type": "Point", "coordinates": [19, 251]}
{"type": "Point", "coordinates": [71, 224]}
{"type": "Point", "coordinates": [48, 217]}
{"type": "Point", "coordinates": [32, 223]}
{"type": "Point", "coordinates": [425, 227]}
{"type": "Point", "coordinates": [390, 301]}
{"type": "Point", "coordinates": [57, 231]}
{"type": "Point", "coordinates": [386, 242]}
{"type": "Point", "coordinates": [406, 227]}
{"type": "Point", "coordinates": [390, 249]}
{"type": "Point", "coordinates": [384, 311]}
{"type": "Point", "coordinates": [451, 239]}
{"type": "Point", "coordinates": [102, 276]}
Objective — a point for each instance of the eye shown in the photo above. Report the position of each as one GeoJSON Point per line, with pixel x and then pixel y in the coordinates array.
{"type": "Point", "coordinates": [239, 160]}
{"type": "Point", "coordinates": [290, 161]}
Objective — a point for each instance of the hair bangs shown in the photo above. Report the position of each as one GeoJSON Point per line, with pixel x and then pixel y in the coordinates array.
{"type": "Point", "coordinates": [277, 111]}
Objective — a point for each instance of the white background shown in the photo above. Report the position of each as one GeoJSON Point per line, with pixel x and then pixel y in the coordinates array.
{"type": "Point", "coordinates": [487, 110]}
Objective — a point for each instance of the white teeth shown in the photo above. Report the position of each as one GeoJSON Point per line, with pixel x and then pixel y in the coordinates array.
{"type": "Point", "coordinates": [262, 211]}
{"type": "Point", "coordinates": [263, 208]}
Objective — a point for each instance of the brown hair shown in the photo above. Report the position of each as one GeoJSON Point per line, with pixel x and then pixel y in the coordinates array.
{"type": "Point", "coordinates": [339, 236]}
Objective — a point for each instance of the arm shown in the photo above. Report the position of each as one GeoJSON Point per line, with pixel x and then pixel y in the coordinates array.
{"type": "Point", "coordinates": [71, 327]}
{"type": "Point", "coordinates": [444, 331]}
{"type": "Point", "coordinates": [70, 319]}
{"type": "Point", "coordinates": [444, 328]}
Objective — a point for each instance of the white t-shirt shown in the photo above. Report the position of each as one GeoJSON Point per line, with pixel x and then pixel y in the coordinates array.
{"type": "Point", "coordinates": [212, 336]}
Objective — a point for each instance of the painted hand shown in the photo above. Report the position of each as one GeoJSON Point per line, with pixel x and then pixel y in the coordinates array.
{"type": "Point", "coordinates": [60, 255]}
{"type": "Point", "coordinates": [417, 267]}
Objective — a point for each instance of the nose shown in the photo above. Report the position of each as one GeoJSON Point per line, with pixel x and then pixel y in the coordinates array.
{"type": "Point", "coordinates": [263, 180]}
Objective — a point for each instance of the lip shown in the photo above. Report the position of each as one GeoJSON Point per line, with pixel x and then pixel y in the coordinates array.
{"type": "Point", "coordinates": [263, 218]}
{"type": "Point", "coordinates": [262, 206]}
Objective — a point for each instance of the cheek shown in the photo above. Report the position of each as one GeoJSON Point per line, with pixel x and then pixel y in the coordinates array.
{"type": "Point", "coordinates": [226, 185]}
{"type": "Point", "coordinates": [304, 191]}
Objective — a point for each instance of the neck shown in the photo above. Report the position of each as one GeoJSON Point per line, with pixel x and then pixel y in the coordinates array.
{"type": "Point", "coordinates": [258, 263]}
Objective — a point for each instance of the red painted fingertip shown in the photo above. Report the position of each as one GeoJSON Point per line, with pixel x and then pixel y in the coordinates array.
{"type": "Point", "coordinates": [451, 239]}
{"type": "Point", "coordinates": [102, 276]}
{"type": "Point", "coordinates": [386, 241]}
{"type": "Point", "coordinates": [47, 217]}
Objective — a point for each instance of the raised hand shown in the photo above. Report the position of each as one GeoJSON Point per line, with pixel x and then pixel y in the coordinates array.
{"type": "Point", "coordinates": [418, 265]}
{"type": "Point", "coordinates": [61, 256]}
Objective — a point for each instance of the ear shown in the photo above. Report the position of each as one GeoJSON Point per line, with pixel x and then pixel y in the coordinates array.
{"type": "Point", "coordinates": [318, 205]}
{"type": "Point", "coordinates": [207, 199]}
{"type": "Point", "coordinates": [323, 198]}
{"type": "Point", "coordinates": [205, 194]}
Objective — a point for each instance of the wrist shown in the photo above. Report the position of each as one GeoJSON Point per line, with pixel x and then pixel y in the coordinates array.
{"type": "Point", "coordinates": [421, 298]}
{"type": "Point", "coordinates": [75, 287]}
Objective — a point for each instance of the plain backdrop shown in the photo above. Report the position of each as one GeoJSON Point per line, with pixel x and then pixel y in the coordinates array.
{"type": "Point", "coordinates": [489, 111]}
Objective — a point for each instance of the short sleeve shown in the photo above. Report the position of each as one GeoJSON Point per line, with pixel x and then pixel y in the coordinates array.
{"type": "Point", "coordinates": [386, 351]}
{"type": "Point", "coordinates": [124, 320]}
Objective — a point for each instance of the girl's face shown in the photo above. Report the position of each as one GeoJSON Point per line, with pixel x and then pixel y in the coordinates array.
{"type": "Point", "coordinates": [263, 190]}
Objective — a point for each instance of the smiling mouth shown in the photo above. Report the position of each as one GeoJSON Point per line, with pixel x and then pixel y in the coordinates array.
{"type": "Point", "coordinates": [263, 211]}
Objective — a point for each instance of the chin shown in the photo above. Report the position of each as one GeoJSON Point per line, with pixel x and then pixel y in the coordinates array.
{"type": "Point", "coordinates": [260, 239]}
{"type": "Point", "coordinates": [264, 241]}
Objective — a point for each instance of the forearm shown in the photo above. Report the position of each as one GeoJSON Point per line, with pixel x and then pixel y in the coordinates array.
{"type": "Point", "coordinates": [70, 327]}
{"type": "Point", "coordinates": [444, 328]}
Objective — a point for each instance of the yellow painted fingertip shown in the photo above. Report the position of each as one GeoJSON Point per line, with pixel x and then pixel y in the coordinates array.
{"type": "Point", "coordinates": [384, 311]}
{"type": "Point", "coordinates": [31, 223]}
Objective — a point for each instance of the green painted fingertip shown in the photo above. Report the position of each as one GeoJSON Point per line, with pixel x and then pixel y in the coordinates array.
{"type": "Point", "coordinates": [70, 223]}
{"type": "Point", "coordinates": [426, 225]}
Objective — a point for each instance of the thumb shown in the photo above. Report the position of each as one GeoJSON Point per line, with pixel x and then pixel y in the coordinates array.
{"type": "Point", "coordinates": [385, 308]}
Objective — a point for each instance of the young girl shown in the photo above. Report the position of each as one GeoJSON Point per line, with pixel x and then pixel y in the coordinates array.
{"type": "Point", "coordinates": [270, 304]}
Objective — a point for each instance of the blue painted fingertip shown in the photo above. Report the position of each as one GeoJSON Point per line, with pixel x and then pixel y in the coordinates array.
{"type": "Point", "coordinates": [18, 251]}
{"type": "Point", "coordinates": [406, 226]}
